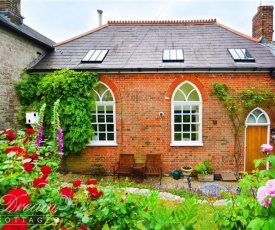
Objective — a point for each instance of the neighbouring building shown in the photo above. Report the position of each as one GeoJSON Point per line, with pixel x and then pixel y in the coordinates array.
{"type": "Point", "coordinates": [20, 47]}
{"type": "Point", "coordinates": [155, 90]}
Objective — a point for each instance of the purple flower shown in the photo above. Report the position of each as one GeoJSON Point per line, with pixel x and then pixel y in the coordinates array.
{"type": "Point", "coordinates": [262, 197]}
{"type": "Point", "coordinates": [270, 187]}
{"type": "Point", "coordinates": [60, 139]}
{"type": "Point", "coordinates": [40, 135]}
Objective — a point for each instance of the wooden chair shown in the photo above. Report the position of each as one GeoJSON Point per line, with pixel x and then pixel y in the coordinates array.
{"type": "Point", "coordinates": [153, 165]}
{"type": "Point", "coordinates": [125, 165]}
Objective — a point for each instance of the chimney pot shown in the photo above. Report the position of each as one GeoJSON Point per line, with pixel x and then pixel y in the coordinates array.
{"type": "Point", "coordinates": [99, 17]}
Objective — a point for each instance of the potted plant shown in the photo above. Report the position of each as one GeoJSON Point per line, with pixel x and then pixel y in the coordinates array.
{"type": "Point", "coordinates": [186, 170]}
{"type": "Point", "coordinates": [205, 171]}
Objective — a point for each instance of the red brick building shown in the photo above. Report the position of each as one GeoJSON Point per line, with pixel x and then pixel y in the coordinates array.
{"type": "Point", "coordinates": [156, 89]}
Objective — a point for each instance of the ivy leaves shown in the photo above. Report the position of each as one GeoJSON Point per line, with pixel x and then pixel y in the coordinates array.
{"type": "Point", "coordinates": [76, 102]}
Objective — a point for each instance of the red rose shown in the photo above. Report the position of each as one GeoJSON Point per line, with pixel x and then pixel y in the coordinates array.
{"type": "Point", "coordinates": [46, 170]}
{"type": "Point", "coordinates": [77, 183]}
{"type": "Point", "coordinates": [25, 140]}
{"type": "Point", "coordinates": [16, 149]}
{"type": "Point", "coordinates": [63, 228]}
{"type": "Point", "coordinates": [67, 192]}
{"type": "Point", "coordinates": [30, 131]}
{"type": "Point", "coordinates": [34, 156]}
{"type": "Point", "coordinates": [83, 227]}
{"type": "Point", "coordinates": [90, 181]}
{"type": "Point", "coordinates": [16, 224]}
{"type": "Point", "coordinates": [28, 166]}
{"type": "Point", "coordinates": [39, 183]}
{"type": "Point", "coordinates": [94, 193]}
{"type": "Point", "coordinates": [52, 208]}
{"type": "Point", "coordinates": [16, 199]}
{"type": "Point", "coordinates": [9, 135]}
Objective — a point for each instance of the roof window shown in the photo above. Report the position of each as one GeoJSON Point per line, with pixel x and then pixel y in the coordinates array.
{"type": "Point", "coordinates": [95, 56]}
{"type": "Point", "coordinates": [173, 55]}
{"type": "Point", "coordinates": [241, 55]}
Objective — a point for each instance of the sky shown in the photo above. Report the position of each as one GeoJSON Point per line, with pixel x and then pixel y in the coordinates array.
{"type": "Point", "coordinates": [63, 19]}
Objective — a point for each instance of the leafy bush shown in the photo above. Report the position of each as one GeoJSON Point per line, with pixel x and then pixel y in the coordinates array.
{"type": "Point", "coordinates": [73, 89]}
{"type": "Point", "coordinates": [204, 167]}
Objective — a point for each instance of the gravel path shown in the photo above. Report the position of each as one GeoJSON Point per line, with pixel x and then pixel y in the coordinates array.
{"type": "Point", "coordinates": [167, 181]}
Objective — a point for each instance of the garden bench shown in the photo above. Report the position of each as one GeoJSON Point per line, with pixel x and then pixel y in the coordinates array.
{"type": "Point", "coordinates": [125, 165]}
{"type": "Point", "coordinates": [153, 165]}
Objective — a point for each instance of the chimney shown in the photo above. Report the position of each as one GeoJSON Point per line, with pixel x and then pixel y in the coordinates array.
{"type": "Point", "coordinates": [12, 9]}
{"type": "Point", "coordinates": [262, 23]}
{"type": "Point", "coordinates": [99, 17]}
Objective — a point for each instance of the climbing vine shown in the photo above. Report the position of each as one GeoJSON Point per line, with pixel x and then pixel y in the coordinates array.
{"type": "Point", "coordinates": [238, 105]}
{"type": "Point", "coordinates": [73, 89]}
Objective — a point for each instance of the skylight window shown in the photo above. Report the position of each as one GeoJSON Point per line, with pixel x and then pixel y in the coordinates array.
{"type": "Point", "coordinates": [241, 55]}
{"type": "Point", "coordinates": [95, 56]}
{"type": "Point", "coordinates": [173, 55]}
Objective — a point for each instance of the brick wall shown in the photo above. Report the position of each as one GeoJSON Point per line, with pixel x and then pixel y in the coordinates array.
{"type": "Point", "coordinates": [140, 129]}
{"type": "Point", "coordinates": [262, 23]}
{"type": "Point", "coordinates": [16, 54]}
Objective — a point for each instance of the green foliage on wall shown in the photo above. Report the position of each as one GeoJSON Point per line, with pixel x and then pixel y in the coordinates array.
{"type": "Point", "coordinates": [238, 104]}
{"type": "Point", "coordinates": [76, 102]}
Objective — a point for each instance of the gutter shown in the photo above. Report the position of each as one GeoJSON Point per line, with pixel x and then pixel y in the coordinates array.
{"type": "Point", "coordinates": [166, 70]}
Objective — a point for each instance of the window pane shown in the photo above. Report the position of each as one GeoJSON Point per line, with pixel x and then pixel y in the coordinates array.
{"type": "Point", "coordinates": [186, 128]}
{"type": "Point", "coordinates": [95, 55]}
{"type": "Point", "coordinates": [195, 118]}
{"type": "Point", "coordinates": [101, 118]}
{"type": "Point", "coordinates": [233, 54]}
{"type": "Point", "coordinates": [179, 54]}
{"type": "Point", "coordinates": [95, 96]}
{"type": "Point", "coordinates": [194, 96]}
{"type": "Point", "coordinates": [93, 118]}
{"type": "Point", "coordinates": [179, 96]}
{"type": "Point", "coordinates": [110, 127]}
{"type": "Point", "coordinates": [110, 136]}
{"type": "Point", "coordinates": [109, 109]}
{"type": "Point", "coordinates": [102, 136]}
{"type": "Point", "coordinates": [177, 118]}
{"type": "Point", "coordinates": [177, 128]}
{"type": "Point", "coordinates": [256, 112]}
{"type": "Point", "coordinates": [165, 55]}
{"type": "Point", "coordinates": [194, 136]}
{"type": "Point", "coordinates": [88, 55]}
{"type": "Point", "coordinates": [173, 55]}
{"type": "Point", "coordinates": [109, 118]}
{"type": "Point", "coordinates": [262, 119]}
{"type": "Point", "coordinates": [251, 119]}
{"type": "Point", "coordinates": [186, 137]}
{"type": "Point", "coordinates": [102, 127]}
{"type": "Point", "coordinates": [186, 88]}
{"type": "Point", "coordinates": [177, 137]}
{"type": "Point", "coordinates": [101, 109]}
{"type": "Point", "coordinates": [107, 96]}
{"type": "Point", "coordinates": [194, 127]}
{"type": "Point", "coordinates": [186, 119]}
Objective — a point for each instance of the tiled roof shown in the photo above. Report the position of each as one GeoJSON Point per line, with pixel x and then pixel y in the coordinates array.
{"type": "Point", "coordinates": [138, 46]}
{"type": "Point", "coordinates": [26, 31]}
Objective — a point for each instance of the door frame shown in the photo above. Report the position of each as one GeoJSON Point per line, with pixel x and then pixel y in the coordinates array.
{"type": "Point", "coordinates": [256, 124]}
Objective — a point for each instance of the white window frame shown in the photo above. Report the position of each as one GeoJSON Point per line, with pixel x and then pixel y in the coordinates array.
{"type": "Point", "coordinates": [106, 103]}
{"type": "Point", "coordinates": [186, 103]}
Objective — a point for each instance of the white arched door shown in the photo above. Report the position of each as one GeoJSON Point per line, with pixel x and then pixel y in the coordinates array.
{"type": "Point", "coordinates": [257, 133]}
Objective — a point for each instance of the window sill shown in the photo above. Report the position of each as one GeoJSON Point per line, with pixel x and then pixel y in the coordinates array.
{"type": "Point", "coordinates": [186, 144]}
{"type": "Point", "coordinates": [97, 143]}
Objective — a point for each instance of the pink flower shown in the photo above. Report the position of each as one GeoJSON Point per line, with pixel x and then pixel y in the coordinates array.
{"type": "Point", "coordinates": [266, 148]}
{"type": "Point", "coordinates": [262, 195]}
{"type": "Point", "coordinates": [270, 187]}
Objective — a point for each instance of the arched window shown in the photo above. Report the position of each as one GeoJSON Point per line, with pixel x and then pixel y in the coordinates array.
{"type": "Point", "coordinates": [103, 116]}
{"type": "Point", "coordinates": [257, 117]}
{"type": "Point", "coordinates": [186, 116]}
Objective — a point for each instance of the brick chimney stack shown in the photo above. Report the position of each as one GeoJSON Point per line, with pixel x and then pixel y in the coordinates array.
{"type": "Point", "coordinates": [262, 23]}
{"type": "Point", "coordinates": [11, 9]}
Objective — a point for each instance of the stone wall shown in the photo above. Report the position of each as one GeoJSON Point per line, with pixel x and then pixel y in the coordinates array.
{"type": "Point", "coordinates": [16, 54]}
